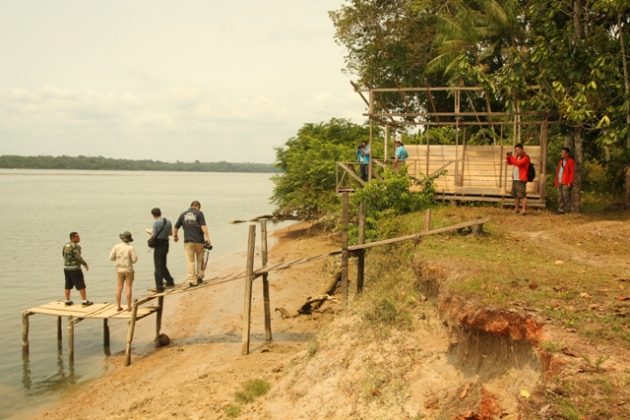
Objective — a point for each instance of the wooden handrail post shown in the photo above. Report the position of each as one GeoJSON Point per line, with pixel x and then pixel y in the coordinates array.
{"type": "Point", "coordinates": [361, 254]}
{"type": "Point", "coordinates": [344, 247]}
{"type": "Point", "coordinates": [247, 296]}
{"type": "Point", "coordinates": [158, 318]}
{"type": "Point", "coordinates": [427, 220]}
{"type": "Point", "coordinates": [130, 331]}
{"type": "Point", "coordinates": [265, 279]}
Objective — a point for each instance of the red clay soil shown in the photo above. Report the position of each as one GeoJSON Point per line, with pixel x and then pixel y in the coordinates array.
{"type": "Point", "coordinates": [500, 322]}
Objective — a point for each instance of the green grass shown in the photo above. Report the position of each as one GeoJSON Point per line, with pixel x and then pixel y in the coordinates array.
{"type": "Point", "coordinates": [252, 390]}
{"type": "Point", "coordinates": [232, 410]}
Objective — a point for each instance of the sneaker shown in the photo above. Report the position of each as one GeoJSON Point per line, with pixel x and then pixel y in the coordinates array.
{"type": "Point", "coordinates": [169, 285]}
{"type": "Point", "coordinates": [199, 280]}
{"type": "Point", "coordinates": [86, 303]}
{"type": "Point", "coordinates": [191, 284]}
{"type": "Point", "coordinates": [156, 290]}
{"type": "Point", "coordinates": [68, 303]}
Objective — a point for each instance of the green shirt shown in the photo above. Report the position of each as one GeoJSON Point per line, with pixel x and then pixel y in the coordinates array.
{"type": "Point", "coordinates": [72, 259]}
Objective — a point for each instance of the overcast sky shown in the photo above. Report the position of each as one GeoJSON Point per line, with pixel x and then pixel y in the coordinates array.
{"type": "Point", "coordinates": [187, 80]}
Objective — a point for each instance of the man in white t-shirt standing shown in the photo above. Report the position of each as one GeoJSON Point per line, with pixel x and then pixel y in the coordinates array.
{"type": "Point", "coordinates": [125, 257]}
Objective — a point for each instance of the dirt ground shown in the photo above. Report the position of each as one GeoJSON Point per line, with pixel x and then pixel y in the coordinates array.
{"type": "Point", "coordinates": [529, 321]}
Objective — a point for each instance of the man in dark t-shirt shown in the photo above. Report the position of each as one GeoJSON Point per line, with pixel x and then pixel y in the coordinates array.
{"type": "Point", "coordinates": [195, 238]}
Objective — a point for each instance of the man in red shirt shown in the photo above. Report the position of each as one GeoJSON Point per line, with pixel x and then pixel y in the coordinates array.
{"type": "Point", "coordinates": [564, 180]}
{"type": "Point", "coordinates": [520, 161]}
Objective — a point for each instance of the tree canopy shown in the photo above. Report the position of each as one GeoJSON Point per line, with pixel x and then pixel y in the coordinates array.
{"type": "Point", "coordinates": [575, 52]}
{"type": "Point", "coordinates": [307, 160]}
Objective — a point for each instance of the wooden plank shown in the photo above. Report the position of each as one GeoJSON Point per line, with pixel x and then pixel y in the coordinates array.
{"type": "Point", "coordinates": [247, 295]}
{"type": "Point", "coordinates": [414, 236]}
{"type": "Point", "coordinates": [351, 173]}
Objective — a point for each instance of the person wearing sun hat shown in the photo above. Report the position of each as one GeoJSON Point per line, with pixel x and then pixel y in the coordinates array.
{"type": "Point", "coordinates": [125, 257]}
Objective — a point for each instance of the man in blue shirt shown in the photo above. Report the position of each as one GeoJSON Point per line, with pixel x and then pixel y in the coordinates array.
{"type": "Point", "coordinates": [195, 238]}
{"type": "Point", "coordinates": [162, 229]}
{"type": "Point", "coordinates": [400, 155]}
{"type": "Point", "coordinates": [363, 156]}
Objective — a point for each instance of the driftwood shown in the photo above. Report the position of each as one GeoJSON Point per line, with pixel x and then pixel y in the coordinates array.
{"type": "Point", "coordinates": [311, 304]}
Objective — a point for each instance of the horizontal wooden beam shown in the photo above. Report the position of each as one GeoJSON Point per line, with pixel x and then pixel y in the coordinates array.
{"type": "Point", "coordinates": [416, 236]}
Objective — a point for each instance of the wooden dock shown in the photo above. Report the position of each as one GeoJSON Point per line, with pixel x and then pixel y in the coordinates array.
{"type": "Point", "coordinates": [141, 308]}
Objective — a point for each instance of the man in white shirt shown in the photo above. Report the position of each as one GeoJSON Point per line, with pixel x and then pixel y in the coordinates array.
{"type": "Point", "coordinates": [125, 256]}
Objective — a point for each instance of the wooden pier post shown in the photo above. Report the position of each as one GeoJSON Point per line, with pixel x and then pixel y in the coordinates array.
{"type": "Point", "coordinates": [71, 339]}
{"type": "Point", "coordinates": [344, 247]}
{"type": "Point", "coordinates": [427, 220]}
{"type": "Point", "coordinates": [59, 336]}
{"type": "Point", "coordinates": [265, 279]}
{"type": "Point", "coordinates": [158, 318]}
{"type": "Point", "coordinates": [105, 333]}
{"type": "Point", "coordinates": [25, 327]}
{"type": "Point", "coordinates": [130, 331]}
{"type": "Point", "coordinates": [247, 296]}
{"type": "Point", "coordinates": [361, 254]}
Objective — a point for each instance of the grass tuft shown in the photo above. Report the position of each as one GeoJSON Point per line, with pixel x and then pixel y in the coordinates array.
{"type": "Point", "coordinates": [251, 390]}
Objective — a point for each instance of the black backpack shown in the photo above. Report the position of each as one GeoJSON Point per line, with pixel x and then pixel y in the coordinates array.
{"type": "Point", "coordinates": [531, 173]}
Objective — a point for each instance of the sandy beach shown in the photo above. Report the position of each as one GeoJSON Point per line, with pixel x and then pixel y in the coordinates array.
{"type": "Point", "coordinates": [197, 375]}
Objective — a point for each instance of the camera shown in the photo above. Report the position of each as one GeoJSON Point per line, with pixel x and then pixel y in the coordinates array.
{"type": "Point", "coordinates": [207, 247]}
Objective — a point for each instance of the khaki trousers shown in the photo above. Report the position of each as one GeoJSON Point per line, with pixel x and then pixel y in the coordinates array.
{"type": "Point", "coordinates": [194, 261]}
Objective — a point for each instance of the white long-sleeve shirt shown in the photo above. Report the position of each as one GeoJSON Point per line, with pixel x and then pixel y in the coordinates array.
{"type": "Point", "coordinates": [125, 256]}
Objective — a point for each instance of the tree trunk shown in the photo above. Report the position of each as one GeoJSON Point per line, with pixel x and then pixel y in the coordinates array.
{"type": "Point", "coordinates": [627, 198]}
{"type": "Point", "coordinates": [624, 62]}
{"type": "Point", "coordinates": [578, 155]}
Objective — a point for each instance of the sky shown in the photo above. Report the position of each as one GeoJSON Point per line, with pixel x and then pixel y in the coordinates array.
{"type": "Point", "coordinates": [207, 80]}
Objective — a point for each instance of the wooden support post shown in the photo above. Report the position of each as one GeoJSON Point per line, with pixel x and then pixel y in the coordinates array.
{"type": "Point", "coordinates": [344, 247]}
{"type": "Point", "coordinates": [105, 333]}
{"type": "Point", "coordinates": [71, 339]}
{"type": "Point", "coordinates": [25, 327]}
{"type": "Point", "coordinates": [130, 331]}
{"type": "Point", "coordinates": [361, 254]}
{"type": "Point", "coordinates": [247, 296]}
{"type": "Point", "coordinates": [427, 220]}
{"type": "Point", "coordinates": [158, 318]}
{"type": "Point", "coordinates": [265, 279]}
{"type": "Point", "coordinates": [544, 136]}
{"type": "Point", "coordinates": [59, 336]}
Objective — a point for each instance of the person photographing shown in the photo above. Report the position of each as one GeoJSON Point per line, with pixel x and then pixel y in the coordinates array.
{"type": "Point", "coordinates": [196, 239]}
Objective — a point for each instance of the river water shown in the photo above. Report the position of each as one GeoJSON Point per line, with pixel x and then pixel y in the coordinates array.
{"type": "Point", "coordinates": [38, 208]}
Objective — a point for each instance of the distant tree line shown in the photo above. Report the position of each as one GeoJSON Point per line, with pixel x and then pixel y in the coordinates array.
{"type": "Point", "coordinates": [103, 163]}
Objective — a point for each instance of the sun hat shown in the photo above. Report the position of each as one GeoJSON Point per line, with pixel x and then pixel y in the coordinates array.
{"type": "Point", "coordinates": [126, 236]}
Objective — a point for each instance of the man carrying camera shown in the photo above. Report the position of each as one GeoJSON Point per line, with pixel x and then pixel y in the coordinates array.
{"type": "Point", "coordinates": [520, 160]}
{"type": "Point", "coordinates": [196, 238]}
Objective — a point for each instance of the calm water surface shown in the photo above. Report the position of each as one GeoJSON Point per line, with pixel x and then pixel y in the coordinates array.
{"type": "Point", "coordinates": [39, 208]}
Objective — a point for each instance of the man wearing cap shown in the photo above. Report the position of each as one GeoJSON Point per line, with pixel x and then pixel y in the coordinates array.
{"type": "Point", "coordinates": [72, 262]}
{"type": "Point", "coordinates": [400, 154]}
{"type": "Point", "coordinates": [196, 236]}
{"type": "Point", "coordinates": [125, 256]}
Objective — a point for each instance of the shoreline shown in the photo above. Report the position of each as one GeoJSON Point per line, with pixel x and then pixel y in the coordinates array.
{"type": "Point", "coordinates": [205, 329]}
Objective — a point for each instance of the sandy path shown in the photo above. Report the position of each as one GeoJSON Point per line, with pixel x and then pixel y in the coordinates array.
{"type": "Point", "coordinates": [197, 375]}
